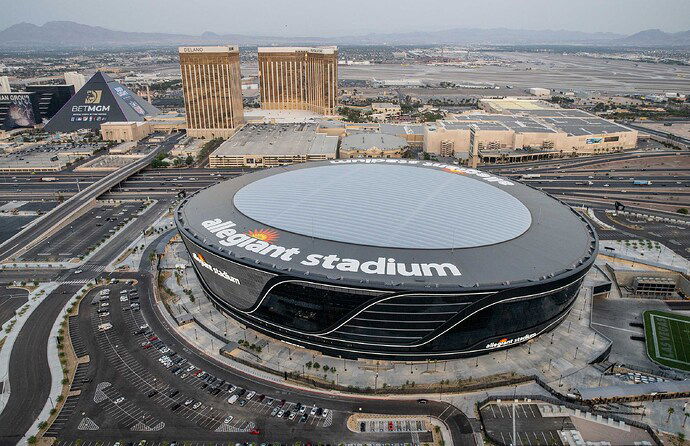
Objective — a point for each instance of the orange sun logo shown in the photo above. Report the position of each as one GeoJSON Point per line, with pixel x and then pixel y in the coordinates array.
{"type": "Point", "coordinates": [266, 235]}
{"type": "Point", "coordinates": [457, 172]}
{"type": "Point", "coordinates": [503, 340]}
{"type": "Point", "coordinates": [201, 257]}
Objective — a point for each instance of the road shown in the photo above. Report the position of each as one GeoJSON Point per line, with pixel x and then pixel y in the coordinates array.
{"type": "Point", "coordinates": [29, 374]}
{"type": "Point", "coordinates": [37, 232]}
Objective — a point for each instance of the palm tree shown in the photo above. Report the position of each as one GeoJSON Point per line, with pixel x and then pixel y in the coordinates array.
{"type": "Point", "coordinates": [670, 412]}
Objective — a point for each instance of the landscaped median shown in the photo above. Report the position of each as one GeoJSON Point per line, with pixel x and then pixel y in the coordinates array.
{"type": "Point", "coordinates": [666, 337]}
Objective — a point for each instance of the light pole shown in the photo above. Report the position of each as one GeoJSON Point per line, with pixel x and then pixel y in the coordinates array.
{"type": "Point", "coordinates": [514, 443]}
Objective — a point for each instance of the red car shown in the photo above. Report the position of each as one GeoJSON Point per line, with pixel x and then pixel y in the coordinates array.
{"type": "Point", "coordinates": [197, 372]}
{"type": "Point", "coordinates": [390, 425]}
{"type": "Point", "coordinates": [153, 338]}
{"type": "Point", "coordinates": [145, 346]}
{"type": "Point", "coordinates": [255, 431]}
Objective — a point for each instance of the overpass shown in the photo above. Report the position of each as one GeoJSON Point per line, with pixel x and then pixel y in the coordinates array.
{"type": "Point", "coordinates": [42, 227]}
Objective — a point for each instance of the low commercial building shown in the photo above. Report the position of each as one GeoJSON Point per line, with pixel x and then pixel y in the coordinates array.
{"type": "Point", "coordinates": [372, 145]}
{"type": "Point", "coordinates": [526, 134]}
{"type": "Point", "coordinates": [125, 131]}
{"type": "Point", "coordinates": [270, 145]}
{"type": "Point", "coordinates": [541, 92]}
{"type": "Point", "coordinates": [385, 110]}
{"type": "Point", "coordinates": [167, 122]}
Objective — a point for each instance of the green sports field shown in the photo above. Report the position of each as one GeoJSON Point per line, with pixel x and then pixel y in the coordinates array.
{"type": "Point", "coordinates": [668, 338]}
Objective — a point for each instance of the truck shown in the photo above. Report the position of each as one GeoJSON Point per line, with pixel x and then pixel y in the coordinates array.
{"type": "Point", "coordinates": [642, 182]}
{"type": "Point", "coordinates": [48, 179]}
{"type": "Point", "coordinates": [527, 176]}
{"type": "Point", "coordinates": [233, 399]}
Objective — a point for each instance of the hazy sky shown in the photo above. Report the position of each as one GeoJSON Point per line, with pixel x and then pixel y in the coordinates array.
{"type": "Point", "coordinates": [343, 17]}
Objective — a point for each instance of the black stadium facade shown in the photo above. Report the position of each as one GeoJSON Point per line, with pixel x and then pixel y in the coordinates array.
{"type": "Point", "coordinates": [391, 259]}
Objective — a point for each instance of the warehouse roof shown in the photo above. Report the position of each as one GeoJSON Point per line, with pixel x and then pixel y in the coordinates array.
{"type": "Point", "coordinates": [383, 141]}
{"type": "Point", "coordinates": [278, 139]}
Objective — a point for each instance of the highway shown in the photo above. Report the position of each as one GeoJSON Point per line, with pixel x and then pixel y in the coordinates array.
{"type": "Point", "coordinates": [37, 231]}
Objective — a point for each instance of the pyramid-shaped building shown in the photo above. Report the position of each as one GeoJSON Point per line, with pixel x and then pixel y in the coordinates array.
{"type": "Point", "coordinates": [100, 100]}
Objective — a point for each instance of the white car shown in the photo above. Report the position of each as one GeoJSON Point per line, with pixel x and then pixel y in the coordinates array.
{"type": "Point", "coordinates": [233, 399]}
{"type": "Point", "coordinates": [250, 395]}
{"type": "Point", "coordinates": [188, 402]}
{"type": "Point", "coordinates": [313, 410]}
{"type": "Point", "coordinates": [325, 413]}
{"type": "Point", "coordinates": [196, 405]}
{"type": "Point", "coordinates": [119, 400]}
{"type": "Point", "coordinates": [228, 419]}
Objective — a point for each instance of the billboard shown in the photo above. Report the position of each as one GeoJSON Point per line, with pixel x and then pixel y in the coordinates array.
{"type": "Point", "coordinates": [19, 111]}
{"type": "Point", "coordinates": [594, 140]}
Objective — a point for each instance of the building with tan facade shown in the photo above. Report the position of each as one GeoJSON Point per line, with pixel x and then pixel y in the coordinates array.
{"type": "Point", "coordinates": [372, 145]}
{"type": "Point", "coordinates": [125, 131]}
{"type": "Point", "coordinates": [211, 84]}
{"type": "Point", "coordinates": [527, 134]}
{"type": "Point", "coordinates": [271, 145]}
{"type": "Point", "coordinates": [299, 78]}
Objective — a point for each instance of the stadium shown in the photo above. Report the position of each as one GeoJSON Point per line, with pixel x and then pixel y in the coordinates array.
{"type": "Point", "coordinates": [387, 258]}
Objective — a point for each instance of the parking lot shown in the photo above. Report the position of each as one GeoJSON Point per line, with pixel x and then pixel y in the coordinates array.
{"type": "Point", "coordinates": [79, 236]}
{"type": "Point", "coordinates": [531, 428]}
{"type": "Point", "coordinates": [135, 385]}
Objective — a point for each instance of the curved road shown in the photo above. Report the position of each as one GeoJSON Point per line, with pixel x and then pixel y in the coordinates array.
{"type": "Point", "coordinates": [29, 375]}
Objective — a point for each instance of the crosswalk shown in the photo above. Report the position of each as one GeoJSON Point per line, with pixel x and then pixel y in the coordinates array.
{"type": "Point", "coordinates": [76, 282]}
{"type": "Point", "coordinates": [92, 267]}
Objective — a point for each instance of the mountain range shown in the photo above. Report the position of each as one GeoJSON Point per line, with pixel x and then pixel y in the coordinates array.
{"type": "Point", "coordinates": [71, 34]}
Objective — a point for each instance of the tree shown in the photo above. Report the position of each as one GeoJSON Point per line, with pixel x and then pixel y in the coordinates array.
{"type": "Point", "coordinates": [670, 412]}
{"type": "Point", "coordinates": [683, 211]}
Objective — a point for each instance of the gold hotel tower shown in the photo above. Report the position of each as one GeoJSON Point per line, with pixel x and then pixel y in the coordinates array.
{"type": "Point", "coordinates": [299, 78]}
{"type": "Point", "coordinates": [211, 84]}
